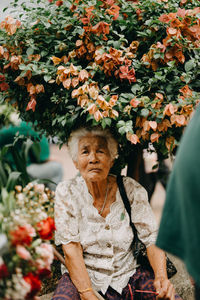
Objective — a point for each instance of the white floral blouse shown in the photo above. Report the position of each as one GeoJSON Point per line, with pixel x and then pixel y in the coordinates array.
{"type": "Point", "coordinates": [106, 242]}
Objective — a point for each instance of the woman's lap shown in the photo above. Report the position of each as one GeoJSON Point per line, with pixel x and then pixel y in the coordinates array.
{"type": "Point", "coordinates": [141, 280]}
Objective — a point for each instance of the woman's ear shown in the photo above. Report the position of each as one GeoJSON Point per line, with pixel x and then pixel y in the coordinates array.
{"type": "Point", "coordinates": [76, 164]}
{"type": "Point", "coordinates": [112, 163]}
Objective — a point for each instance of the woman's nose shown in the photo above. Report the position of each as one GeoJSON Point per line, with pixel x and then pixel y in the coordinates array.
{"type": "Point", "coordinates": [93, 157]}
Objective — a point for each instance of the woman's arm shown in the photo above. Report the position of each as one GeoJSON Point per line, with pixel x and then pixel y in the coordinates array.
{"type": "Point", "coordinates": [162, 284]}
{"type": "Point", "coordinates": [77, 270]}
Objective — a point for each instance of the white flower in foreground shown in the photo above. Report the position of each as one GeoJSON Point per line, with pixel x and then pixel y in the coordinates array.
{"type": "Point", "coordinates": [20, 288]}
{"type": "Point", "coordinates": [14, 118]}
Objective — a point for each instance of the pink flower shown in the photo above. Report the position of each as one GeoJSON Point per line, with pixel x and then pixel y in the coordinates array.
{"type": "Point", "coordinates": [23, 253]}
{"type": "Point", "coordinates": [45, 251]}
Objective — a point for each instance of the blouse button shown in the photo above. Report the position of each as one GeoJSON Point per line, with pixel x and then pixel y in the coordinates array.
{"type": "Point", "coordinates": [108, 245]}
{"type": "Point", "coordinates": [107, 227]}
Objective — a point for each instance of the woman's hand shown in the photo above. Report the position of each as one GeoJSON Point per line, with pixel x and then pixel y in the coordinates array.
{"type": "Point", "coordinates": [165, 288]}
{"type": "Point", "coordinates": [89, 296]}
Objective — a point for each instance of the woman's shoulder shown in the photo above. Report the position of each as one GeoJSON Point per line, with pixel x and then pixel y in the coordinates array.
{"type": "Point", "coordinates": [70, 186]}
{"type": "Point", "coordinates": [134, 189]}
{"type": "Point", "coordinates": [130, 182]}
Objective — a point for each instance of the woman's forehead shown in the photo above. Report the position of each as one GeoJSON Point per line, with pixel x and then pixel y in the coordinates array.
{"type": "Point", "coordinates": [92, 140]}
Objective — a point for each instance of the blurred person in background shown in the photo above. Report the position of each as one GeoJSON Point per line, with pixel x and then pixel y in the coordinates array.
{"type": "Point", "coordinates": [179, 231]}
{"type": "Point", "coordinates": [39, 165]}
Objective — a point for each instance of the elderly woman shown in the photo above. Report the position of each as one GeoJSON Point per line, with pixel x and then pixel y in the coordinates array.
{"type": "Point", "coordinates": [94, 228]}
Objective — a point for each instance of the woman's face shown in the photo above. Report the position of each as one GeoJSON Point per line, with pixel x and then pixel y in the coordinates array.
{"type": "Point", "coordinates": [93, 161]}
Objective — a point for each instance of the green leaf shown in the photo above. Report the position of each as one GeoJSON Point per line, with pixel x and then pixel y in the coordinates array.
{"type": "Point", "coordinates": [47, 77]}
{"type": "Point", "coordinates": [12, 180]}
{"type": "Point", "coordinates": [189, 65]}
{"type": "Point", "coordinates": [144, 112]}
{"type": "Point", "coordinates": [29, 51]}
{"type": "Point", "coordinates": [136, 87]}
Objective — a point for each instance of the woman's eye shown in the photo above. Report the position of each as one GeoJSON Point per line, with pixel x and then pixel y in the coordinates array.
{"type": "Point", "coordinates": [100, 151]}
{"type": "Point", "coordinates": [84, 152]}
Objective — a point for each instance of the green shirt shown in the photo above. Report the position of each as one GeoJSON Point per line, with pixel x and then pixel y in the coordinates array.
{"type": "Point", "coordinates": [7, 135]}
{"type": "Point", "coordinates": [179, 231]}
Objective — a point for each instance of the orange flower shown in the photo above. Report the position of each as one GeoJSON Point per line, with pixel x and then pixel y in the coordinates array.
{"type": "Point", "coordinates": [75, 82]}
{"type": "Point", "coordinates": [98, 115]}
{"type": "Point", "coordinates": [171, 31]}
{"type": "Point", "coordinates": [93, 92]}
{"type": "Point", "coordinates": [31, 89]}
{"type": "Point", "coordinates": [113, 113]}
{"type": "Point", "coordinates": [101, 28]}
{"type": "Point", "coordinates": [1, 51]}
{"type": "Point", "coordinates": [170, 143]}
{"type": "Point", "coordinates": [114, 11]}
{"type": "Point", "coordinates": [83, 100]}
{"type": "Point", "coordinates": [10, 25]}
{"type": "Point", "coordinates": [31, 104]}
{"type": "Point", "coordinates": [134, 102]}
{"type": "Point", "coordinates": [133, 138]}
{"type": "Point", "coordinates": [67, 83]}
{"type": "Point", "coordinates": [161, 47]}
{"type": "Point", "coordinates": [153, 125]}
{"type": "Point", "coordinates": [39, 88]}
{"type": "Point", "coordinates": [164, 125]}
{"type": "Point", "coordinates": [56, 60]}
{"type": "Point", "coordinates": [15, 61]}
{"type": "Point", "coordinates": [186, 91]}
{"type": "Point", "coordinates": [178, 120]}
{"type": "Point", "coordinates": [154, 137]}
{"type": "Point", "coordinates": [166, 18]}
{"type": "Point", "coordinates": [104, 105]}
{"type": "Point", "coordinates": [124, 73]}
{"type": "Point", "coordinates": [92, 109]}
{"type": "Point", "coordinates": [133, 46]}
{"type": "Point", "coordinates": [83, 75]}
{"type": "Point", "coordinates": [113, 100]}
{"type": "Point", "coordinates": [170, 109]}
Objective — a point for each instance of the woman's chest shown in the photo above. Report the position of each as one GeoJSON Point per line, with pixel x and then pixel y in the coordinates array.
{"type": "Point", "coordinates": [113, 230]}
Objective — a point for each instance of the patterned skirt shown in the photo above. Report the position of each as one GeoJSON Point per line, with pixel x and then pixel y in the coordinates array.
{"type": "Point", "coordinates": [141, 280]}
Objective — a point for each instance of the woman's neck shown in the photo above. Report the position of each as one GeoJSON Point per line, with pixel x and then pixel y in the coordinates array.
{"type": "Point", "coordinates": [98, 188]}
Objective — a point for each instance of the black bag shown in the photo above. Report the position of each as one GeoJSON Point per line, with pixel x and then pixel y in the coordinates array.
{"type": "Point", "coordinates": [138, 247]}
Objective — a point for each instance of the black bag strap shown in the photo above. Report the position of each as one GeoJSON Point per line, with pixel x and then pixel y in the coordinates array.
{"type": "Point", "coordinates": [127, 205]}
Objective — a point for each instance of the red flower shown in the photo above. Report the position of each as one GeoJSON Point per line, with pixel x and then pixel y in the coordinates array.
{"type": "Point", "coordinates": [35, 284]}
{"type": "Point", "coordinates": [44, 273]}
{"type": "Point", "coordinates": [59, 3]}
{"type": "Point", "coordinates": [46, 228]}
{"type": "Point", "coordinates": [124, 73]}
{"type": "Point", "coordinates": [3, 271]}
{"type": "Point", "coordinates": [131, 76]}
{"type": "Point", "coordinates": [4, 86]}
{"type": "Point", "coordinates": [2, 77]}
{"type": "Point", "coordinates": [21, 236]}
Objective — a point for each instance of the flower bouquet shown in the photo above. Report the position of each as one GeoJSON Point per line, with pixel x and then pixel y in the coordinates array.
{"type": "Point", "coordinates": [26, 253]}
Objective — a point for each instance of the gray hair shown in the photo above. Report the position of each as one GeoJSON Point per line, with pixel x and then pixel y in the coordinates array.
{"type": "Point", "coordinates": [82, 132]}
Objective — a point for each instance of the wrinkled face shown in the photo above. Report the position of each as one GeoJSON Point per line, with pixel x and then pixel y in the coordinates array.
{"type": "Point", "coordinates": [93, 159]}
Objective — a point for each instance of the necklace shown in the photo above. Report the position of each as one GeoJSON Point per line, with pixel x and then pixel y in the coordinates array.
{"type": "Point", "coordinates": [104, 203]}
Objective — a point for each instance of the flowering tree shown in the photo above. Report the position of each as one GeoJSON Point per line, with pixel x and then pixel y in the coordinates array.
{"type": "Point", "coordinates": [26, 233]}
{"type": "Point", "coordinates": [132, 66]}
